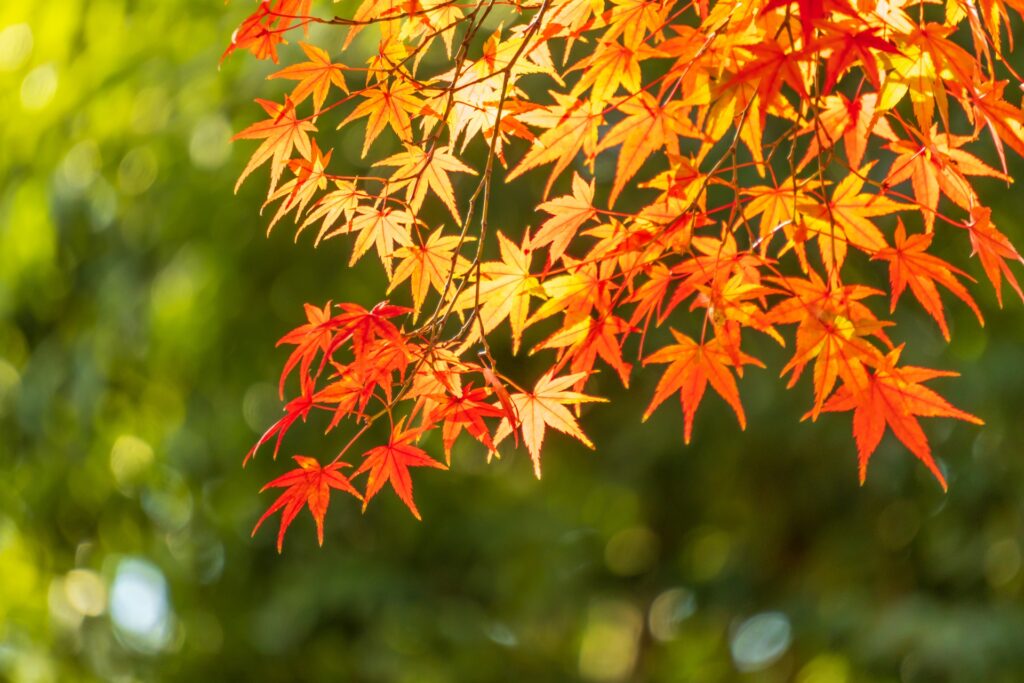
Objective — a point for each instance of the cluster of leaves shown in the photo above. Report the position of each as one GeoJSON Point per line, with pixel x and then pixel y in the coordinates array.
{"type": "Point", "coordinates": [779, 154]}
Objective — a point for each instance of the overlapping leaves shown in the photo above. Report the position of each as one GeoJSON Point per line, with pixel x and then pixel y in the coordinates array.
{"type": "Point", "coordinates": [728, 162]}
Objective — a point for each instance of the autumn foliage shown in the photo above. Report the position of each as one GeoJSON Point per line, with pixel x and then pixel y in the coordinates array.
{"type": "Point", "coordinates": [725, 170]}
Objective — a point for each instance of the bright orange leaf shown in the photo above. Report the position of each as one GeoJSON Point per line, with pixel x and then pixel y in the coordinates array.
{"type": "Point", "coordinates": [911, 264]}
{"type": "Point", "coordinates": [315, 77]}
{"type": "Point", "coordinates": [692, 367]}
{"type": "Point", "coordinates": [895, 397]}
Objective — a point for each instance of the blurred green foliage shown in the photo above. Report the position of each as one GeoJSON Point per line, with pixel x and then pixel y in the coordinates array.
{"type": "Point", "coordinates": [139, 305]}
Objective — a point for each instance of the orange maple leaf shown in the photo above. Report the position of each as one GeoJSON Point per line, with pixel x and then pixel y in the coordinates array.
{"type": "Point", "coordinates": [389, 104]}
{"type": "Point", "coordinates": [464, 408]}
{"type": "Point", "coordinates": [846, 219]}
{"type": "Point", "coordinates": [895, 397]}
{"type": "Point", "coordinates": [419, 170]}
{"type": "Point", "coordinates": [647, 127]}
{"type": "Point", "coordinates": [382, 226]}
{"type": "Point", "coordinates": [503, 290]}
{"type": "Point", "coordinates": [589, 338]}
{"type": "Point", "coordinates": [429, 265]}
{"type": "Point", "coordinates": [572, 126]}
{"type": "Point", "coordinates": [612, 65]}
{"type": "Point", "coordinates": [937, 163]}
{"type": "Point", "coordinates": [993, 248]}
{"type": "Point", "coordinates": [315, 76]}
{"type": "Point", "coordinates": [909, 263]}
{"type": "Point", "coordinates": [692, 367]}
{"type": "Point", "coordinates": [833, 326]}
{"type": "Point", "coordinates": [282, 133]}
{"type": "Point", "coordinates": [263, 30]}
{"type": "Point", "coordinates": [341, 202]}
{"type": "Point", "coordinates": [1004, 121]}
{"type": "Point", "coordinates": [568, 214]}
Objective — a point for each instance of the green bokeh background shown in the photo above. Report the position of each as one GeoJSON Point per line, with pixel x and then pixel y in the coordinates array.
{"type": "Point", "coordinates": [139, 306]}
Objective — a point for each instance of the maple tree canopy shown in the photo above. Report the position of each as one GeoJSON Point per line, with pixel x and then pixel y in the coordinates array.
{"type": "Point", "coordinates": [779, 158]}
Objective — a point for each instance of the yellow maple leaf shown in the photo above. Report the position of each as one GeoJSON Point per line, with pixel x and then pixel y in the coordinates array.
{"type": "Point", "coordinates": [419, 170]}
{"type": "Point", "coordinates": [545, 407]}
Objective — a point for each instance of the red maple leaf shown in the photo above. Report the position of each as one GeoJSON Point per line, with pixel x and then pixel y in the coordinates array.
{"type": "Point", "coordinates": [391, 463]}
{"type": "Point", "coordinates": [309, 484]}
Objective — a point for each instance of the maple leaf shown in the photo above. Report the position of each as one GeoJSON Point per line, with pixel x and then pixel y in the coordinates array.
{"type": "Point", "coordinates": [849, 44]}
{"type": "Point", "coordinates": [382, 226]}
{"type": "Point", "coordinates": [256, 34]}
{"type": "Point", "coordinates": [852, 121]}
{"type": "Point", "coordinates": [375, 364]}
{"type": "Point", "coordinates": [389, 464]}
{"type": "Point", "coordinates": [309, 339]}
{"type": "Point", "coordinates": [846, 219]}
{"type": "Point", "coordinates": [419, 170]}
{"type": "Point", "coordinates": [464, 408]}
{"type": "Point", "coordinates": [502, 290]}
{"type": "Point", "coordinates": [389, 104]}
{"type": "Point", "coordinates": [1004, 121]}
{"type": "Point", "coordinates": [438, 371]}
{"type": "Point", "coordinates": [895, 397]}
{"type": "Point", "coordinates": [340, 202]}
{"type": "Point", "coordinates": [429, 265]}
{"type": "Point", "coordinates": [349, 394]}
{"type": "Point", "coordinates": [282, 133]}
{"type": "Point", "coordinates": [363, 326]}
{"type": "Point", "coordinates": [910, 264]}
{"type": "Point", "coordinates": [509, 412]}
{"type": "Point", "coordinates": [442, 16]}
{"type": "Point", "coordinates": [913, 71]}
{"type": "Point", "coordinates": [568, 214]}
{"type": "Point", "coordinates": [993, 248]}
{"type": "Point", "coordinates": [297, 193]}
{"type": "Point", "coordinates": [715, 261]}
{"type": "Point", "coordinates": [833, 330]}
{"type": "Point", "coordinates": [315, 76]}
{"type": "Point", "coordinates": [589, 338]}
{"type": "Point", "coordinates": [487, 102]}
{"type": "Point", "coordinates": [369, 12]}
{"type": "Point", "coordinates": [692, 367]}
{"type": "Point", "coordinates": [634, 19]}
{"type": "Point", "coordinates": [323, 334]}
{"type": "Point", "coordinates": [776, 205]}
{"type": "Point", "coordinates": [770, 67]}
{"type": "Point", "coordinates": [612, 65]}
{"type": "Point", "coordinates": [308, 485]}
{"type": "Point", "coordinates": [572, 126]}
{"type": "Point", "coordinates": [647, 127]}
{"type": "Point", "coordinates": [544, 407]}
{"type": "Point", "coordinates": [586, 287]}
{"type": "Point", "coordinates": [572, 17]}
{"type": "Point", "coordinates": [813, 12]}
{"type": "Point", "coordinates": [682, 187]}
{"type": "Point", "coordinates": [952, 61]}
{"type": "Point", "coordinates": [263, 30]}
{"type": "Point", "coordinates": [937, 163]}
{"type": "Point", "coordinates": [501, 54]}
